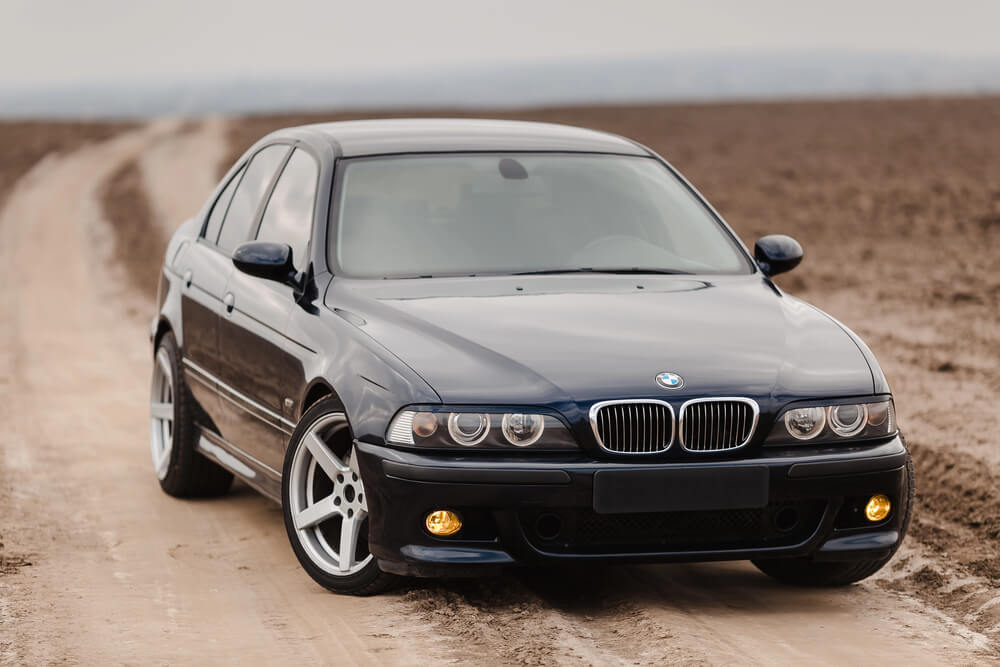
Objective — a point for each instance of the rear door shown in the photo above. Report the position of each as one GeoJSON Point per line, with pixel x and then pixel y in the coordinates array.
{"type": "Point", "coordinates": [257, 359]}
{"type": "Point", "coordinates": [205, 271]}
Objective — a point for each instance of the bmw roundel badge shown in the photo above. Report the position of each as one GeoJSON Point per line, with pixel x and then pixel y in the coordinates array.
{"type": "Point", "coordinates": [670, 380]}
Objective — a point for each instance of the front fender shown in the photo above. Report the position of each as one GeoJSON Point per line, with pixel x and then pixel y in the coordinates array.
{"type": "Point", "coordinates": [371, 382]}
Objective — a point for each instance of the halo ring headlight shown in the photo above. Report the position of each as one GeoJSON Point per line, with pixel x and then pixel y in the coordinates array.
{"type": "Point", "coordinates": [849, 419]}
{"type": "Point", "coordinates": [468, 428]}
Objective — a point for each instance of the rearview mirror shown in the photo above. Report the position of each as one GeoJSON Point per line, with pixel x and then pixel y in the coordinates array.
{"type": "Point", "coordinates": [777, 253]}
{"type": "Point", "coordinates": [271, 261]}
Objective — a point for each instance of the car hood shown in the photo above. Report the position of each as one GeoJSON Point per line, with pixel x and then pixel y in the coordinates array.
{"type": "Point", "coordinates": [544, 340]}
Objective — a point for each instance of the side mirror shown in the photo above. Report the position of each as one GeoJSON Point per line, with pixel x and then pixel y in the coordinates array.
{"type": "Point", "coordinates": [271, 261]}
{"type": "Point", "coordinates": [777, 253]}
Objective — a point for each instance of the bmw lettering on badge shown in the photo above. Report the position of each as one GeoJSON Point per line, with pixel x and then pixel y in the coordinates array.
{"type": "Point", "coordinates": [670, 380]}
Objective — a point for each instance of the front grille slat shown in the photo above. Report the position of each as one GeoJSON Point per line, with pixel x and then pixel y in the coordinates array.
{"type": "Point", "coordinates": [715, 425]}
{"type": "Point", "coordinates": [717, 421]}
{"type": "Point", "coordinates": [692, 435]}
{"type": "Point", "coordinates": [654, 422]}
{"type": "Point", "coordinates": [630, 441]}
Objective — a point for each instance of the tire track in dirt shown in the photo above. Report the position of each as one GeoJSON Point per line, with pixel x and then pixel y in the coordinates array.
{"type": "Point", "coordinates": [718, 613]}
{"type": "Point", "coordinates": [955, 564]}
{"type": "Point", "coordinates": [942, 364]}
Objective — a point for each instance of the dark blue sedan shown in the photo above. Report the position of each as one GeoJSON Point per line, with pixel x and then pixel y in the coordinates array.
{"type": "Point", "coordinates": [451, 346]}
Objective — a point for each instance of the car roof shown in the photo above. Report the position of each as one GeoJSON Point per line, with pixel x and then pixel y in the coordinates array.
{"type": "Point", "coordinates": [436, 135]}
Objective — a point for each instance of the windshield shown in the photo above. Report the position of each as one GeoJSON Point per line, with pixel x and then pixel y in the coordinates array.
{"type": "Point", "coordinates": [463, 214]}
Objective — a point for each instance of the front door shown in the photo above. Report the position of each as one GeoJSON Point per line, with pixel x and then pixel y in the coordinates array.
{"type": "Point", "coordinates": [255, 356]}
{"type": "Point", "coordinates": [238, 226]}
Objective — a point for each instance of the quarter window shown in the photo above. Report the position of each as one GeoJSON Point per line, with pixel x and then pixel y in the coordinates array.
{"type": "Point", "coordinates": [289, 213]}
{"type": "Point", "coordinates": [220, 207]}
{"type": "Point", "coordinates": [246, 200]}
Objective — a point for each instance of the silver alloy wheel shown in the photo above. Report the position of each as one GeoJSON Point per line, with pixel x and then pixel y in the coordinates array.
{"type": "Point", "coordinates": [327, 500]}
{"type": "Point", "coordinates": [161, 413]}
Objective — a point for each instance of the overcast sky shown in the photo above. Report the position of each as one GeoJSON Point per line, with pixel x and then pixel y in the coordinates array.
{"type": "Point", "coordinates": [53, 41]}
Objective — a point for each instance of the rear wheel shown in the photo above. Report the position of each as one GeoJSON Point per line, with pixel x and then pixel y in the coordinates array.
{"type": "Point", "coordinates": [807, 572]}
{"type": "Point", "coordinates": [182, 471]}
{"type": "Point", "coordinates": [325, 505]}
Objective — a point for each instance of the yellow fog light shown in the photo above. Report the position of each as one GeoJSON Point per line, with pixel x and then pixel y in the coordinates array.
{"type": "Point", "coordinates": [878, 507]}
{"type": "Point", "coordinates": [444, 523]}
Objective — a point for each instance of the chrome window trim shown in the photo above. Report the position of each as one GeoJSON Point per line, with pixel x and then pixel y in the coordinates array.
{"type": "Point", "coordinates": [596, 407]}
{"type": "Point", "coordinates": [243, 397]}
{"type": "Point", "coordinates": [718, 399]}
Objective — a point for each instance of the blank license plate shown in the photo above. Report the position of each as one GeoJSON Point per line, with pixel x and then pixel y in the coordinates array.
{"type": "Point", "coordinates": [680, 489]}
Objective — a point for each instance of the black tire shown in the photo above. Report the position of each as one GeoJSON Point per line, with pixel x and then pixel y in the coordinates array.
{"type": "Point", "coordinates": [190, 475]}
{"type": "Point", "coordinates": [807, 572]}
{"type": "Point", "coordinates": [370, 580]}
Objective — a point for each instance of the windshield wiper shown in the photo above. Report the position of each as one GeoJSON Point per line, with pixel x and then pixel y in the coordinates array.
{"type": "Point", "coordinates": [543, 272]}
{"type": "Point", "coordinates": [632, 270]}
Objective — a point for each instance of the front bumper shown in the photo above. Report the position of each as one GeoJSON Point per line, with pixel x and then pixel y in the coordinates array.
{"type": "Point", "coordinates": [543, 511]}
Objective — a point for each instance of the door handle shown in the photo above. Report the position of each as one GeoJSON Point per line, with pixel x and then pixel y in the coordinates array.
{"type": "Point", "coordinates": [230, 301]}
{"type": "Point", "coordinates": [187, 278]}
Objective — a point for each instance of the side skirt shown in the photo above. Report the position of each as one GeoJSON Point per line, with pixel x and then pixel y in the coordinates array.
{"type": "Point", "coordinates": [263, 478]}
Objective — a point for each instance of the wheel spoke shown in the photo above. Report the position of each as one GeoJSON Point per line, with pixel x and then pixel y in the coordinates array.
{"type": "Point", "coordinates": [164, 361]}
{"type": "Point", "coordinates": [352, 463]}
{"type": "Point", "coordinates": [316, 513]}
{"type": "Point", "coordinates": [349, 530]}
{"type": "Point", "coordinates": [164, 411]}
{"type": "Point", "coordinates": [163, 461]}
{"type": "Point", "coordinates": [330, 464]}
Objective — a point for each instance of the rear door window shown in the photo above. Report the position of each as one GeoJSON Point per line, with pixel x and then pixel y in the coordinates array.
{"type": "Point", "coordinates": [220, 206]}
{"type": "Point", "coordinates": [243, 209]}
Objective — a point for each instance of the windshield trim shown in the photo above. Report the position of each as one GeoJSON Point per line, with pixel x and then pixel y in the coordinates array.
{"type": "Point", "coordinates": [750, 265]}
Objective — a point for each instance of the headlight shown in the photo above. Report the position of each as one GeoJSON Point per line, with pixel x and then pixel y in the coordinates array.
{"type": "Point", "coordinates": [832, 423]}
{"type": "Point", "coordinates": [805, 423]}
{"type": "Point", "coordinates": [847, 420]}
{"type": "Point", "coordinates": [468, 428]}
{"type": "Point", "coordinates": [522, 429]}
{"type": "Point", "coordinates": [484, 429]}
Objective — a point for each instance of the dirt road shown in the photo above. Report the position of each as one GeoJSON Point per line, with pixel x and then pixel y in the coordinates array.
{"type": "Point", "coordinates": [121, 573]}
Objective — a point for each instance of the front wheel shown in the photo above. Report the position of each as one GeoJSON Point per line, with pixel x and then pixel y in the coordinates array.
{"type": "Point", "coordinates": [807, 572]}
{"type": "Point", "coordinates": [325, 506]}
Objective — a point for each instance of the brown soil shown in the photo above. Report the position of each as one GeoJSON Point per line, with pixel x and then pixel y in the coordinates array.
{"type": "Point", "coordinates": [138, 242]}
{"type": "Point", "coordinates": [25, 143]}
{"type": "Point", "coordinates": [898, 206]}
